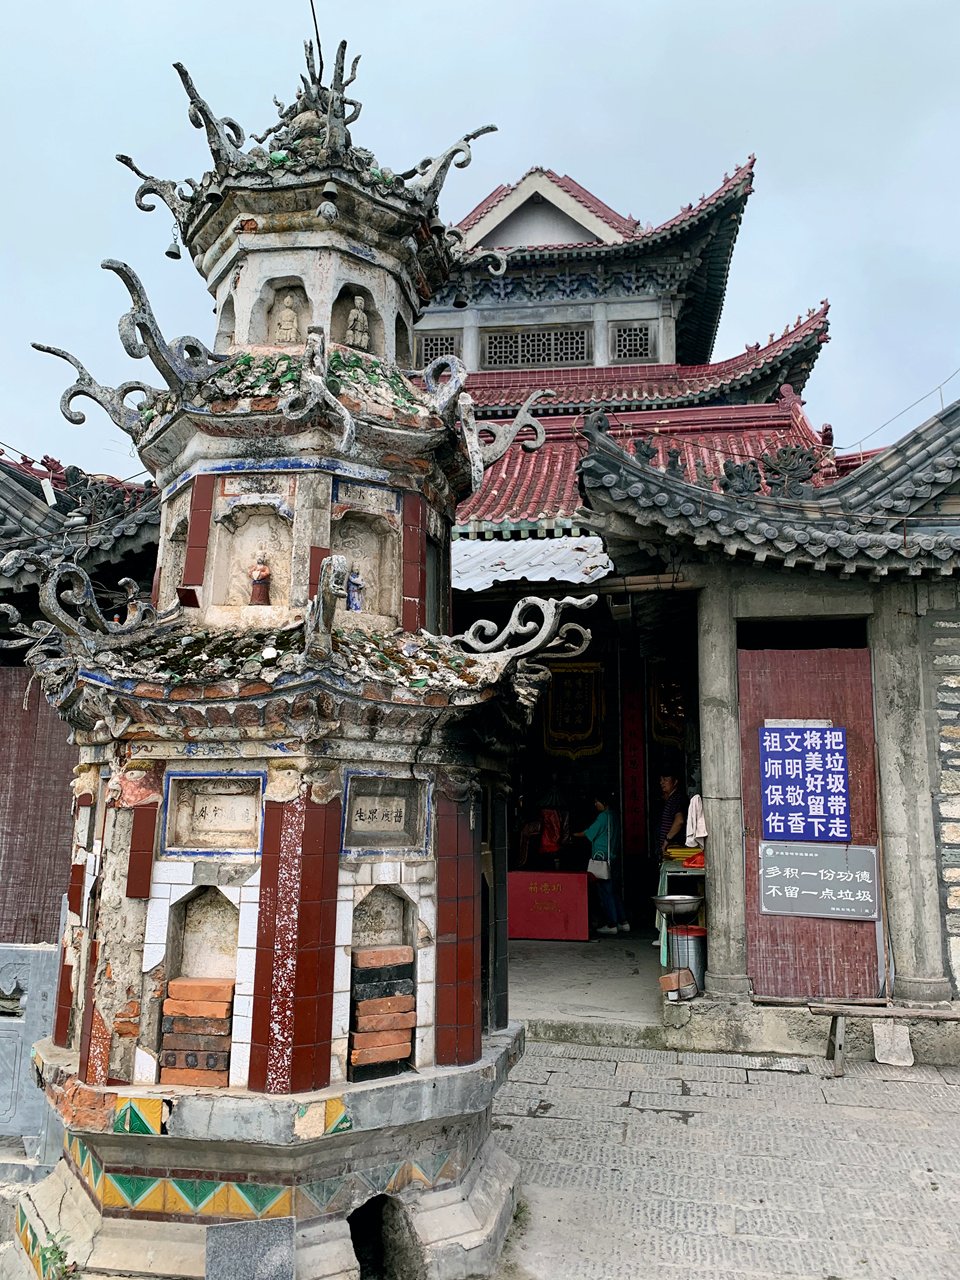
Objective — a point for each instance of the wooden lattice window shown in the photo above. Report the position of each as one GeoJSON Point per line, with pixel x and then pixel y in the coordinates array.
{"type": "Point", "coordinates": [633, 343]}
{"type": "Point", "coordinates": [440, 342]}
{"type": "Point", "coordinates": [528, 348]}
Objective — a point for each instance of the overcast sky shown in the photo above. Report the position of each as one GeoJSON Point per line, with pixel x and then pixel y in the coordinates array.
{"type": "Point", "coordinates": [851, 106]}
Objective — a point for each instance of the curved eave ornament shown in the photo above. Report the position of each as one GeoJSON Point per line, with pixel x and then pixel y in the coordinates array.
{"type": "Point", "coordinates": [794, 523]}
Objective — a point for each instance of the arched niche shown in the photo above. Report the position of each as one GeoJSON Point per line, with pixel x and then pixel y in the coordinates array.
{"type": "Point", "coordinates": [369, 543]}
{"type": "Point", "coordinates": [226, 328]}
{"type": "Point", "coordinates": [244, 533]}
{"type": "Point", "coordinates": [343, 308]}
{"type": "Point", "coordinates": [402, 347]}
{"type": "Point", "coordinates": [385, 918]}
{"type": "Point", "coordinates": [384, 1241]}
{"type": "Point", "coordinates": [281, 314]}
{"type": "Point", "coordinates": [202, 936]}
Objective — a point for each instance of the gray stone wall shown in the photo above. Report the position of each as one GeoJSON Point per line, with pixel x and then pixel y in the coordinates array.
{"type": "Point", "coordinates": [941, 651]}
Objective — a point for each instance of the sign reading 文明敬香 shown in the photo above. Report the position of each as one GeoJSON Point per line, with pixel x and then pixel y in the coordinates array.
{"type": "Point", "coordinates": [804, 785]}
{"type": "Point", "coordinates": [827, 881]}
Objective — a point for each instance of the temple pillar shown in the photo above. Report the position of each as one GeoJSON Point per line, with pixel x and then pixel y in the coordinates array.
{"type": "Point", "coordinates": [909, 848]}
{"type": "Point", "coordinates": [720, 758]}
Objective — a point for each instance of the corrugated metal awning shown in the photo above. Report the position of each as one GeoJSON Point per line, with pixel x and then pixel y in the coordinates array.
{"type": "Point", "coordinates": [478, 563]}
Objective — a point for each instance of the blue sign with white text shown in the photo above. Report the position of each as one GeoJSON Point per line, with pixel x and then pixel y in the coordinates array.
{"type": "Point", "coordinates": [804, 786]}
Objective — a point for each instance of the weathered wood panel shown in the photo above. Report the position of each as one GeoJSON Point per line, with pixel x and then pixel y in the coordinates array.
{"type": "Point", "coordinates": [787, 956]}
{"type": "Point", "coordinates": [36, 764]}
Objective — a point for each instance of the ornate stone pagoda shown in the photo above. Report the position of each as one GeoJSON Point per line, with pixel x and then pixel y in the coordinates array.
{"type": "Point", "coordinates": [277, 1000]}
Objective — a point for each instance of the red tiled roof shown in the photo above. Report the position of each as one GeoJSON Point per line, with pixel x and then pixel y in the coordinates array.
{"type": "Point", "coordinates": [542, 486]}
{"type": "Point", "coordinates": [628, 228]}
{"type": "Point", "coordinates": [653, 383]}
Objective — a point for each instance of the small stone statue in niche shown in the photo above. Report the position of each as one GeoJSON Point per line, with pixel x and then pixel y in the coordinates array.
{"type": "Point", "coordinates": [355, 590]}
{"type": "Point", "coordinates": [358, 326]}
{"type": "Point", "coordinates": [288, 322]}
{"type": "Point", "coordinates": [260, 581]}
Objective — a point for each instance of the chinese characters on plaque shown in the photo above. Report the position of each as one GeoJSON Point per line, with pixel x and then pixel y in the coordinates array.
{"type": "Point", "coordinates": [378, 813]}
{"type": "Point", "coordinates": [822, 880]}
{"type": "Point", "coordinates": [804, 787]}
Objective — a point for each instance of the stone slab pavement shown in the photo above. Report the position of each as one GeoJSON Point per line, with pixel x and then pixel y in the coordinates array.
{"type": "Point", "coordinates": [645, 1163]}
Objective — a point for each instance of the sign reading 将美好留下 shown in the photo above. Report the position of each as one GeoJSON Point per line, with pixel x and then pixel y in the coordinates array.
{"type": "Point", "coordinates": [830, 881]}
{"type": "Point", "coordinates": [804, 786]}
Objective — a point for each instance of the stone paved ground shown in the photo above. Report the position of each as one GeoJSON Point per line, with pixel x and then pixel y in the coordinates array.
{"type": "Point", "coordinates": [641, 1163]}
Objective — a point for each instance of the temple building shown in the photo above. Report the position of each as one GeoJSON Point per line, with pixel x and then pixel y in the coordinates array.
{"type": "Point", "coordinates": [281, 1014]}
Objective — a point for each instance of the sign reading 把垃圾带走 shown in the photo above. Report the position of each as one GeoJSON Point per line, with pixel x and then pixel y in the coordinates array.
{"type": "Point", "coordinates": [804, 785]}
{"type": "Point", "coordinates": [828, 881]}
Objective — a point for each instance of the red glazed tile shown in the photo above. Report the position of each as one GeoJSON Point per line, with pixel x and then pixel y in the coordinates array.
{"type": "Point", "coordinates": [257, 1079]}
{"type": "Point", "coordinates": [446, 1050]}
{"type": "Point", "coordinates": [446, 1008]}
{"type": "Point", "coordinates": [446, 963]}
{"type": "Point", "coordinates": [468, 961]}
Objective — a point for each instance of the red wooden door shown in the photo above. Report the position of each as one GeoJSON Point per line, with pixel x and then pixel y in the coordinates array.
{"type": "Point", "coordinates": [789, 955]}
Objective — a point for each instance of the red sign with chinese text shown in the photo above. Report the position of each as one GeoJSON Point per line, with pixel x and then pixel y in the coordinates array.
{"type": "Point", "coordinates": [548, 905]}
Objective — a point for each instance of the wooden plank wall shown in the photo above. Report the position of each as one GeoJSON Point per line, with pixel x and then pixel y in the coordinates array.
{"type": "Point", "coordinates": [791, 956]}
{"type": "Point", "coordinates": [36, 765]}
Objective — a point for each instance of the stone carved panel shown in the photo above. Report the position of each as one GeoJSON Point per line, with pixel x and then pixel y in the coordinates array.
{"type": "Point", "coordinates": [214, 815]}
{"type": "Point", "coordinates": [260, 532]}
{"type": "Point", "coordinates": [370, 546]}
{"type": "Point", "coordinates": [385, 814]}
{"type": "Point", "coordinates": [30, 976]}
{"type": "Point", "coordinates": [378, 921]}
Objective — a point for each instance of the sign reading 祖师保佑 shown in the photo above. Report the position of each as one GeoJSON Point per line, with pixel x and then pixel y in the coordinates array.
{"type": "Point", "coordinates": [804, 785]}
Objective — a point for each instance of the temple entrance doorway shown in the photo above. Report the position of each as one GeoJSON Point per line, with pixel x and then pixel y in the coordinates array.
{"type": "Point", "coordinates": [610, 723]}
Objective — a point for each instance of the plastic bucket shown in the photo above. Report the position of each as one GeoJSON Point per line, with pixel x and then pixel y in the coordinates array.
{"type": "Point", "coordinates": [687, 949]}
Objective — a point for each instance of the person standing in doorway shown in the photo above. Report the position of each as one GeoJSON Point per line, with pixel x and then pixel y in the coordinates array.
{"type": "Point", "coordinates": [604, 836]}
{"type": "Point", "coordinates": [673, 814]}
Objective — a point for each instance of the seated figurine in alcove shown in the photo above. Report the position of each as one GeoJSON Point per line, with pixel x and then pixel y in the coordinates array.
{"type": "Point", "coordinates": [358, 326]}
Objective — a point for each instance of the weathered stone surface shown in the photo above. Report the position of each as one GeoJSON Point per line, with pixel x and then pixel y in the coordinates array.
{"type": "Point", "coordinates": [251, 1250]}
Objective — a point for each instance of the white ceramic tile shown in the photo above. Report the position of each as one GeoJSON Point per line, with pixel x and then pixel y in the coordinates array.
{"type": "Point", "coordinates": [427, 965]}
{"type": "Point", "coordinates": [249, 919]}
{"type": "Point", "coordinates": [344, 935]}
{"type": "Point", "coordinates": [425, 1004]}
{"type": "Point", "coordinates": [428, 913]}
{"type": "Point", "coordinates": [341, 1014]}
{"type": "Point", "coordinates": [345, 892]}
{"type": "Point", "coordinates": [246, 969]}
{"type": "Point", "coordinates": [166, 871]}
{"type": "Point", "coordinates": [341, 969]}
{"type": "Point", "coordinates": [239, 1065]}
{"type": "Point", "coordinates": [338, 1060]}
{"type": "Point", "coordinates": [231, 893]}
{"type": "Point", "coordinates": [423, 1049]}
{"type": "Point", "coordinates": [254, 881]}
{"type": "Point", "coordinates": [243, 1006]}
{"type": "Point", "coordinates": [161, 892]}
{"type": "Point", "coordinates": [144, 1067]}
{"type": "Point", "coordinates": [154, 953]}
{"type": "Point", "coordinates": [248, 894]}
{"type": "Point", "coordinates": [241, 1030]}
{"type": "Point", "coordinates": [386, 872]}
{"type": "Point", "coordinates": [178, 891]}
{"type": "Point", "coordinates": [158, 911]}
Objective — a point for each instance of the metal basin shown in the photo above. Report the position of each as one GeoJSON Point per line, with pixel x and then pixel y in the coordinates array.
{"type": "Point", "coordinates": [674, 905]}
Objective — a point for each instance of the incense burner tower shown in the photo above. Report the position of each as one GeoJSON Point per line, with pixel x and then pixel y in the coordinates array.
{"type": "Point", "coordinates": [280, 1027]}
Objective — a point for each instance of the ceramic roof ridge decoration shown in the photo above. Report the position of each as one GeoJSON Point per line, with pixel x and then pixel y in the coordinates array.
{"type": "Point", "coordinates": [880, 518]}
{"type": "Point", "coordinates": [309, 145]}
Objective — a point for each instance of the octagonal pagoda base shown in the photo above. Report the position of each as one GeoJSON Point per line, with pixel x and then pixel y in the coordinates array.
{"type": "Point", "coordinates": [172, 1186]}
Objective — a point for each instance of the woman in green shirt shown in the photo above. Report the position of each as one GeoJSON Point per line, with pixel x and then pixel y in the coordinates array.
{"type": "Point", "coordinates": [604, 836]}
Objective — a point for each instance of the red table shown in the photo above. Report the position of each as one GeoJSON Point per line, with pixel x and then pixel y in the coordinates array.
{"type": "Point", "coordinates": [548, 905]}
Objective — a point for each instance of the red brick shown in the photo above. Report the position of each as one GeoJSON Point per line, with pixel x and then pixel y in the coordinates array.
{"type": "Point", "coordinates": [210, 1044]}
{"type": "Point", "coordinates": [208, 1079]}
{"type": "Point", "coordinates": [197, 1008]}
{"type": "Point", "coordinates": [387, 1021]}
{"type": "Point", "coordinates": [376, 957]}
{"type": "Point", "coordinates": [180, 1026]}
{"type": "Point", "coordinates": [385, 1004]}
{"type": "Point", "coordinates": [378, 1039]}
{"type": "Point", "coordinates": [387, 1053]}
{"type": "Point", "coordinates": [201, 989]}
